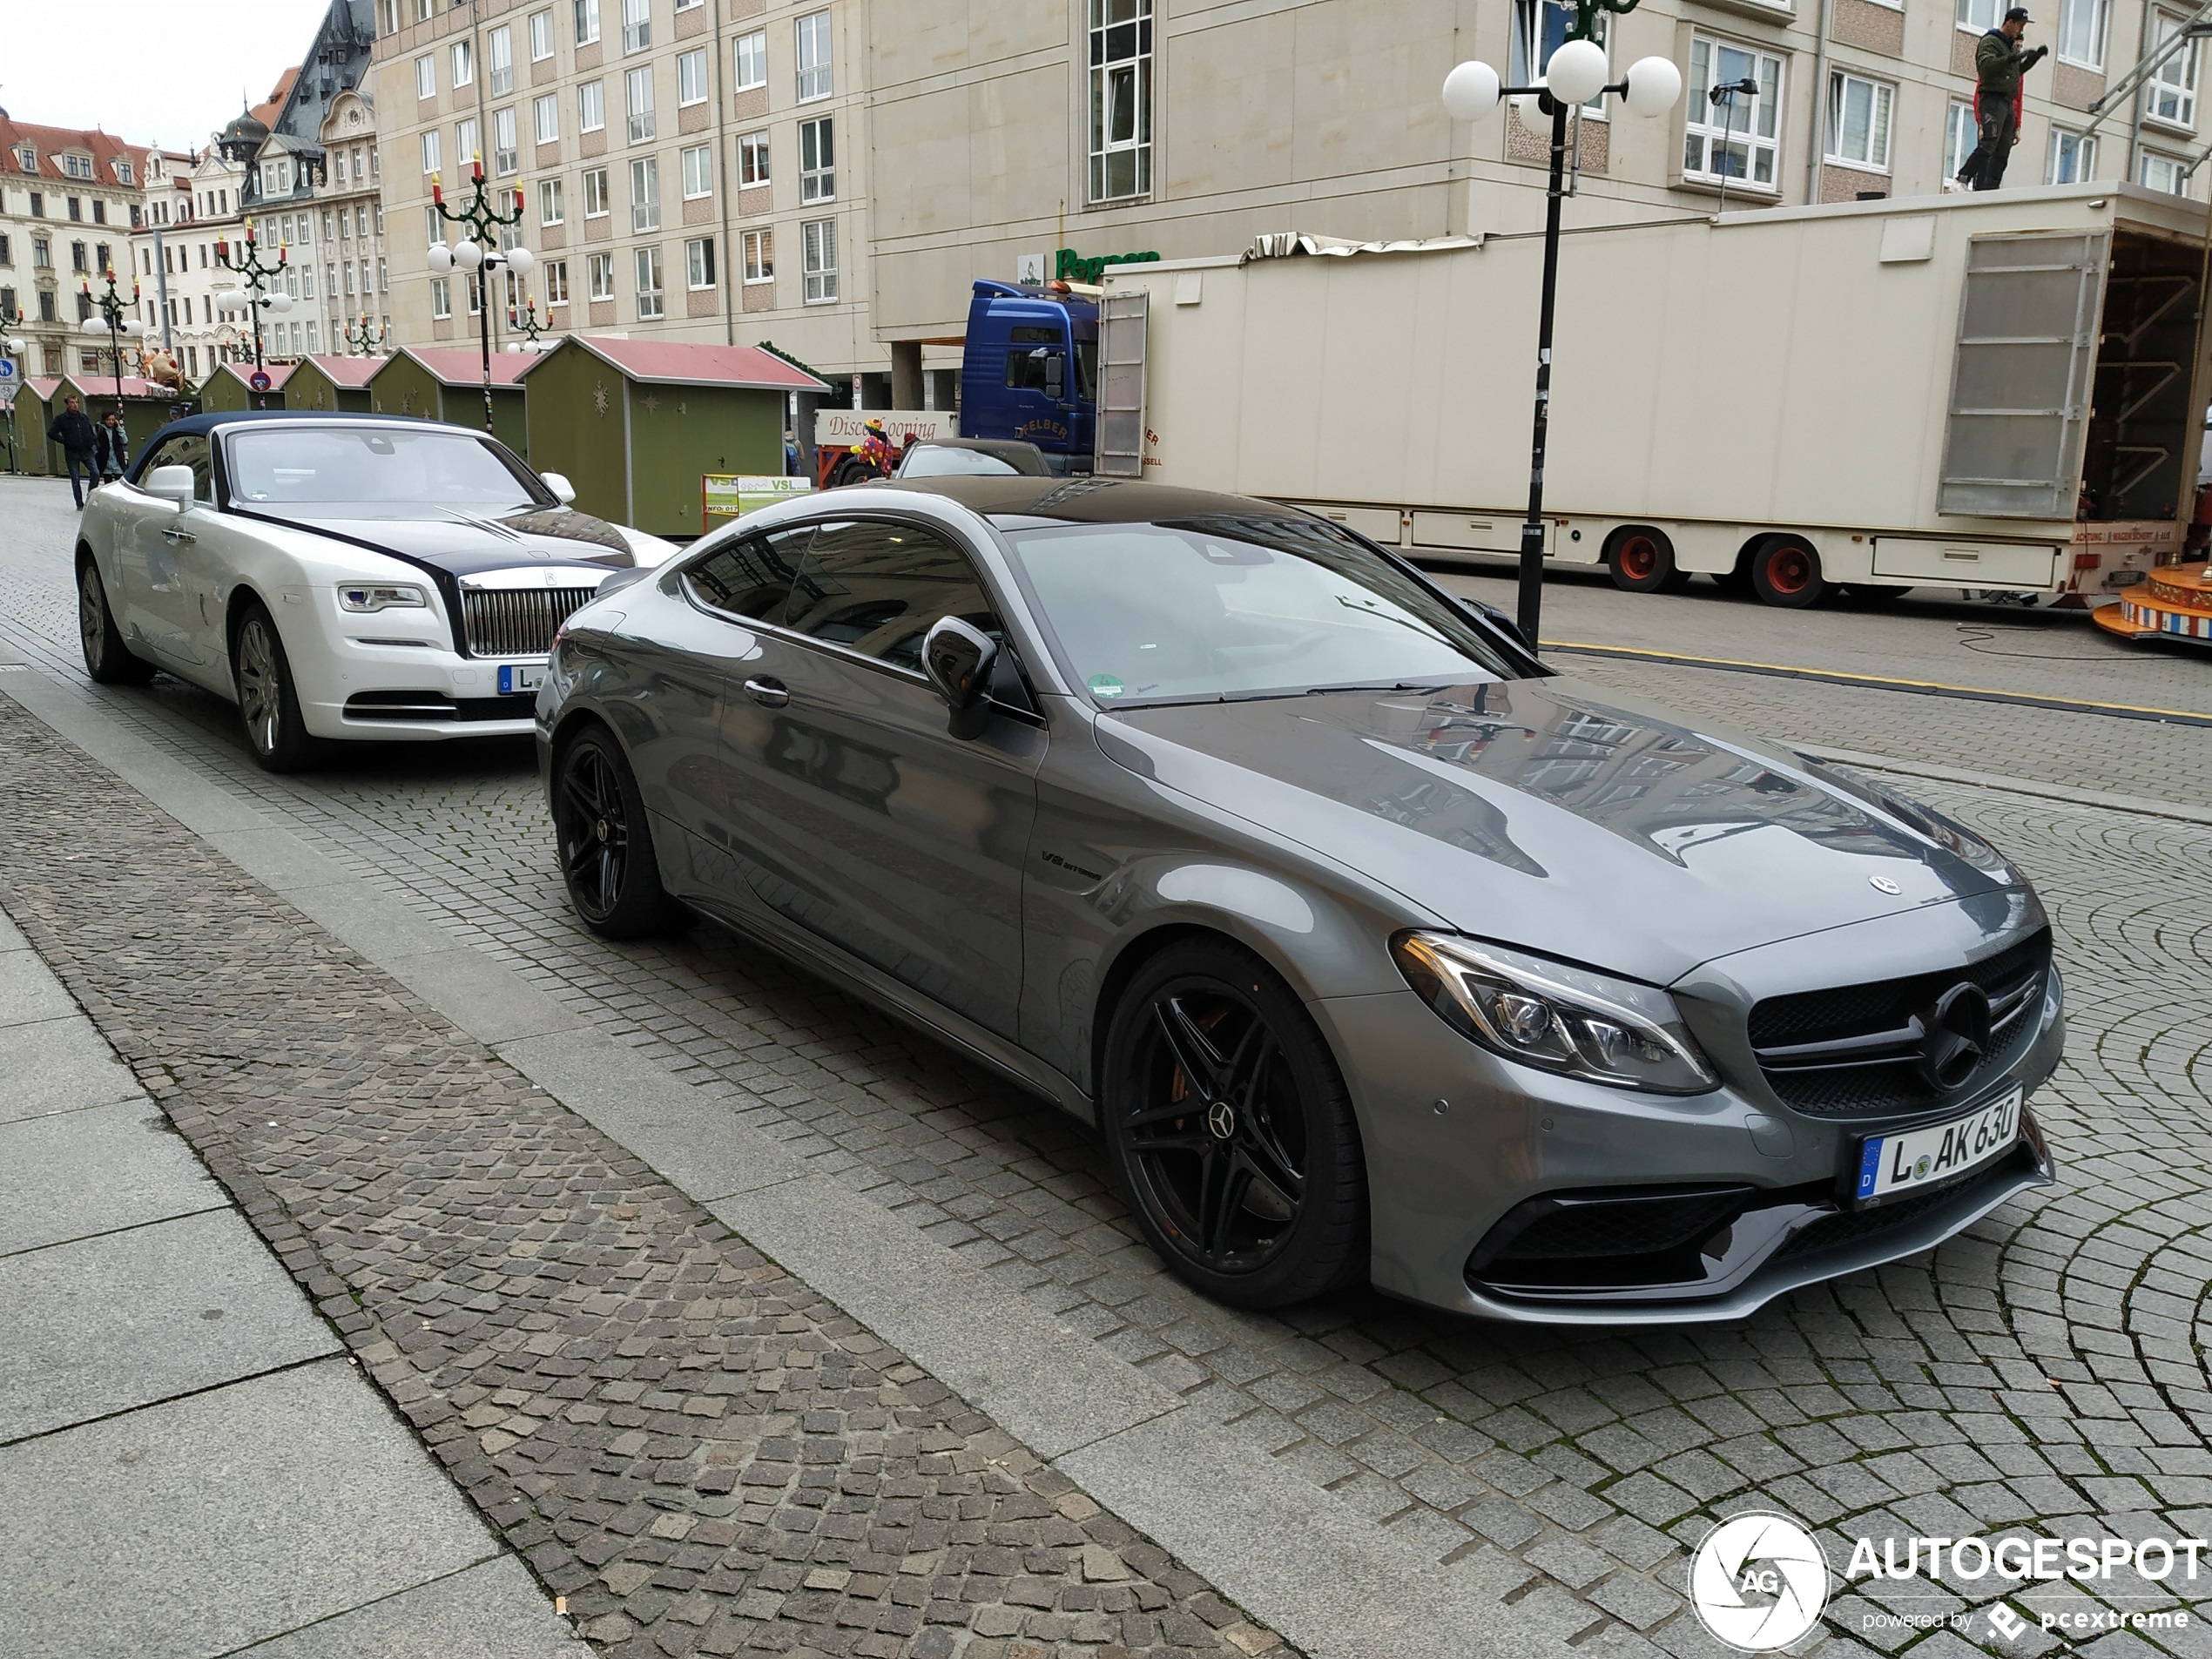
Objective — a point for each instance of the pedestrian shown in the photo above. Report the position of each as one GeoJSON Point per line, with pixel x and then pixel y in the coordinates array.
{"type": "Point", "coordinates": [2000, 67]}
{"type": "Point", "coordinates": [112, 447]}
{"type": "Point", "coordinates": [792, 464]}
{"type": "Point", "coordinates": [79, 442]}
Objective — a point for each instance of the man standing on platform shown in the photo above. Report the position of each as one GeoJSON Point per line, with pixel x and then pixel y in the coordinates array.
{"type": "Point", "coordinates": [2000, 68]}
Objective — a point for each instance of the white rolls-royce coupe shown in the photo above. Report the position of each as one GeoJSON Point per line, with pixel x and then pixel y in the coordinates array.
{"type": "Point", "coordinates": [340, 576]}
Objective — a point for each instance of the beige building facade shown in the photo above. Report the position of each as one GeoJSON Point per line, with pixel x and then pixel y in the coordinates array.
{"type": "Point", "coordinates": [1001, 135]}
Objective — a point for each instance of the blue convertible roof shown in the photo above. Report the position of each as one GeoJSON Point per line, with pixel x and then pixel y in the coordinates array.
{"type": "Point", "coordinates": [192, 423]}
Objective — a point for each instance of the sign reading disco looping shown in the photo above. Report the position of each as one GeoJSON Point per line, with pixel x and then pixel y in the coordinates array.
{"type": "Point", "coordinates": [1758, 1582]}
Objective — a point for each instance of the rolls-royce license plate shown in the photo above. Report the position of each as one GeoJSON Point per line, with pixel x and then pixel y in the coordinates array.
{"type": "Point", "coordinates": [1890, 1166]}
{"type": "Point", "coordinates": [516, 677]}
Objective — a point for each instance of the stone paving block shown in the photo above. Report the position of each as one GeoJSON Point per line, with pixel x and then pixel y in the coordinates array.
{"type": "Point", "coordinates": [74, 1174]}
{"type": "Point", "coordinates": [491, 1611]}
{"type": "Point", "coordinates": [58, 1066]}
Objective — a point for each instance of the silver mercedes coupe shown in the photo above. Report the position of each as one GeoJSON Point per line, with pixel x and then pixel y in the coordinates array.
{"type": "Point", "coordinates": [1372, 947]}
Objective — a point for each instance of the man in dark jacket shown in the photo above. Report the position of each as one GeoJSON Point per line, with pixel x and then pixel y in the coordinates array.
{"type": "Point", "coordinates": [112, 447]}
{"type": "Point", "coordinates": [79, 443]}
{"type": "Point", "coordinates": [1999, 67]}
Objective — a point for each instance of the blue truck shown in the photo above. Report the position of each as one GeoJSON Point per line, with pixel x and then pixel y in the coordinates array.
{"type": "Point", "coordinates": [1030, 369]}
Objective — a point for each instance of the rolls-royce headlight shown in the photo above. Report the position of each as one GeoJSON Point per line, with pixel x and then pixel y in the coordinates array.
{"type": "Point", "coordinates": [378, 596]}
{"type": "Point", "coordinates": [1561, 1018]}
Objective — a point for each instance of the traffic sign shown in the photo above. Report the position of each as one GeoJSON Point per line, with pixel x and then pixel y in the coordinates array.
{"type": "Point", "coordinates": [260, 382]}
{"type": "Point", "coordinates": [7, 371]}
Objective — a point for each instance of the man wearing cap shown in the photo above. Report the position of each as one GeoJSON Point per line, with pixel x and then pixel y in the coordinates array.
{"type": "Point", "coordinates": [2000, 68]}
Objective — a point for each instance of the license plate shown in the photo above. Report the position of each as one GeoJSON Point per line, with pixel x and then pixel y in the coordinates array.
{"type": "Point", "coordinates": [520, 676]}
{"type": "Point", "coordinates": [1892, 1166]}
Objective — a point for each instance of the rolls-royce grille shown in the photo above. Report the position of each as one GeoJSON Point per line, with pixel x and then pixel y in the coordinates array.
{"type": "Point", "coordinates": [517, 621]}
{"type": "Point", "coordinates": [1901, 1045]}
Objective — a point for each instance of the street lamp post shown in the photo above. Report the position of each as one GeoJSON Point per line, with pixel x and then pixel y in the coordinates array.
{"type": "Point", "coordinates": [478, 253]}
{"type": "Point", "coordinates": [245, 260]}
{"type": "Point", "coordinates": [523, 319]}
{"type": "Point", "coordinates": [360, 339]}
{"type": "Point", "coordinates": [115, 318]}
{"type": "Point", "coordinates": [1575, 74]}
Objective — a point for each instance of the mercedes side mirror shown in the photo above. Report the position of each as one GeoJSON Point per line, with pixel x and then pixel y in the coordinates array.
{"type": "Point", "coordinates": [958, 657]}
{"type": "Point", "coordinates": [172, 484]}
{"type": "Point", "coordinates": [563, 492]}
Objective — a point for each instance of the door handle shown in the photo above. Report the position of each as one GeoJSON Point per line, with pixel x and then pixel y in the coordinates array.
{"type": "Point", "coordinates": [174, 536]}
{"type": "Point", "coordinates": [768, 693]}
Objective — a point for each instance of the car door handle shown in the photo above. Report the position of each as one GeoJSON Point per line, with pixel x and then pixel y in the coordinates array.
{"type": "Point", "coordinates": [768, 693]}
{"type": "Point", "coordinates": [174, 536]}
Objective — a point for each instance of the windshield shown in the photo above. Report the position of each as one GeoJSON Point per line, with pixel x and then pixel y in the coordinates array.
{"type": "Point", "coordinates": [407, 465]}
{"type": "Point", "coordinates": [1227, 607]}
{"type": "Point", "coordinates": [942, 461]}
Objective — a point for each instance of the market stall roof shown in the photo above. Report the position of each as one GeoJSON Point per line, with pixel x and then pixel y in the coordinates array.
{"type": "Point", "coordinates": [104, 386]}
{"type": "Point", "coordinates": [243, 373]}
{"type": "Point", "coordinates": [43, 389]}
{"type": "Point", "coordinates": [346, 371]}
{"type": "Point", "coordinates": [463, 365]}
{"type": "Point", "coordinates": [676, 362]}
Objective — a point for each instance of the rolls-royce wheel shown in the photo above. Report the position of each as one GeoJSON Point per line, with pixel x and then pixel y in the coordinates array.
{"type": "Point", "coordinates": [107, 659]}
{"type": "Point", "coordinates": [606, 847]}
{"type": "Point", "coordinates": [1231, 1125]}
{"type": "Point", "coordinates": [268, 705]}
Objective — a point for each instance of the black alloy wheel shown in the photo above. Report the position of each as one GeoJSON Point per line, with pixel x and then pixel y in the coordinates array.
{"type": "Point", "coordinates": [107, 659]}
{"type": "Point", "coordinates": [1232, 1129]}
{"type": "Point", "coordinates": [606, 850]}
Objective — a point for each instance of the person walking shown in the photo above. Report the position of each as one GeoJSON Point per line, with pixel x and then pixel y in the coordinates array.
{"type": "Point", "coordinates": [112, 447]}
{"type": "Point", "coordinates": [79, 442]}
{"type": "Point", "coordinates": [2001, 69]}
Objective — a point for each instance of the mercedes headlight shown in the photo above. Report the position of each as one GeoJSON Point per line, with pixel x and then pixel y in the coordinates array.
{"type": "Point", "coordinates": [1563, 1019]}
{"type": "Point", "coordinates": [378, 596]}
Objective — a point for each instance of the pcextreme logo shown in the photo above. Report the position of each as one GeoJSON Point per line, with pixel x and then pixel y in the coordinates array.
{"type": "Point", "coordinates": [1758, 1582]}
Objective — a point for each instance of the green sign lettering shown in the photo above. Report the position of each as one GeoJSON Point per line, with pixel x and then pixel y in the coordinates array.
{"type": "Point", "coordinates": [1070, 266]}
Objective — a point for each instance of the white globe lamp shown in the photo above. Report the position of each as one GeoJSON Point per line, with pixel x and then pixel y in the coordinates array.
{"type": "Point", "coordinates": [279, 302]}
{"type": "Point", "coordinates": [1471, 92]}
{"type": "Point", "coordinates": [1655, 85]}
{"type": "Point", "coordinates": [1529, 106]}
{"type": "Point", "coordinates": [467, 254]}
{"type": "Point", "coordinates": [520, 260]}
{"type": "Point", "coordinates": [1577, 72]}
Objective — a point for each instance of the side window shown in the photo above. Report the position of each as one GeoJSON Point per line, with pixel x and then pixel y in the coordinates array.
{"type": "Point", "coordinates": [875, 588]}
{"type": "Point", "coordinates": [188, 450]}
{"type": "Point", "coordinates": [750, 578]}
{"type": "Point", "coordinates": [1034, 359]}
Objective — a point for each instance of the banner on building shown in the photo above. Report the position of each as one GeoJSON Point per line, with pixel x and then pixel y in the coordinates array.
{"type": "Point", "coordinates": [842, 429]}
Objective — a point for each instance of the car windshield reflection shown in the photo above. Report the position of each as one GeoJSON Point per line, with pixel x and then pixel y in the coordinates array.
{"type": "Point", "coordinates": [364, 465]}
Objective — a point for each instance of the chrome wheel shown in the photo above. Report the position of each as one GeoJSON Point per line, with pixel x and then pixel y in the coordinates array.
{"type": "Point", "coordinates": [260, 686]}
{"type": "Point", "coordinates": [593, 828]}
{"type": "Point", "coordinates": [91, 618]}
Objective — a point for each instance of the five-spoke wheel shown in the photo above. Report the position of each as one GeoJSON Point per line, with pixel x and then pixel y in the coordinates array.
{"type": "Point", "coordinates": [606, 848]}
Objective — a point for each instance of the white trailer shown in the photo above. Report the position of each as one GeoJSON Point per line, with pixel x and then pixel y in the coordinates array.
{"type": "Point", "coordinates": [1997, 392]}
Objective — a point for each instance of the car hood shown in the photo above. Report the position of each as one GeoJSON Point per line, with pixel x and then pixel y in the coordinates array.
{"type": "Point", "coordinates": [1564, 817]}
{"type": "Point", "coordinates": [455, 541]}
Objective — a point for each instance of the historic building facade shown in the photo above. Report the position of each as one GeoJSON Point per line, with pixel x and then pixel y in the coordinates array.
{"type": "Point", "coordinates": [69, 197]}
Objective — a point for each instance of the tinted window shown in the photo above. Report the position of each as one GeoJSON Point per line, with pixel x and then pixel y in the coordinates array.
{"type": "Point", "coordinates": [750, 578]}
{"type": "Point", "coordinates": [1025, 371]}
{"type": "Point", "coordinates": [875, 588]}
{"type": "Point", "coordinates": [942, 461]}
{"type": "Point", "coordinates": [190, 450]}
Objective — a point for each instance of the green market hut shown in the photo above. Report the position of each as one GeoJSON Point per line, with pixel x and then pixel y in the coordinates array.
{"type": "Point", "coordinates": [230, 388]}
{"type": "Point", "coordinates": [447, 383]}
{"type": "Point", "coordinates": [146, 405]}
{"type": "Point", "coordinates": [337, 384]}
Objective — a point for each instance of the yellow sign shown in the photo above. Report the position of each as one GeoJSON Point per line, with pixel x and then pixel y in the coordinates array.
{"type": "Point", "coordinates": [731, 495]}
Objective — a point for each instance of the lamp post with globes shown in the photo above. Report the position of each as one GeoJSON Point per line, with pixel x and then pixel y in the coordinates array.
{"type": "Point", "coordinates": [360, 339]}
{"type": "Point", "coordinates": [114, 320]}
{"type": "Point", "coordinates": [1575, 75]}
{"type": "Point", "coordinates": [245, 260]}
{"type": "Point", "coordinates": [478, 253]}
{"type": "Point", "coordinates": [523, 319]}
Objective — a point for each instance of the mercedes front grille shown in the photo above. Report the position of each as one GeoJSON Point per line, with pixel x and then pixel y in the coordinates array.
{"type": "Point", "coordinates": [517, 621]}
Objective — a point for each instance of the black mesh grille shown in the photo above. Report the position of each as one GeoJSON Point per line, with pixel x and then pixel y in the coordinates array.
{"type": "Point", "coordinates": [1625, 1227]}
{"type": "Point", "coordinates": [1624, 1239]}
{"type": "Point", "coordinates": [1848, 1226]}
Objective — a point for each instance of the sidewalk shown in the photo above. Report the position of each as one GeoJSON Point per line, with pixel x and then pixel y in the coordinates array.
{"type": "Point", "coordinates": [189, 1462]}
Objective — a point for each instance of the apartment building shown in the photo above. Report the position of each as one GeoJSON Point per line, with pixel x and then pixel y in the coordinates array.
{"type": "Point", "coordinates": [691, 169]}
{"type": "Point", "coordinates": [69, 197]}
{"type": "Point", "coordinates": [1186, 126]}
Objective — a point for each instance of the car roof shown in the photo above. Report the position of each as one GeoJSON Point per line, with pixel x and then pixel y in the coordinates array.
{"type": "Point", "coordinates": [981, 446]}
{"type": "Point", "coordinates": [1084, 499]}
{"type": "Point", "coordinates": [211, 421]}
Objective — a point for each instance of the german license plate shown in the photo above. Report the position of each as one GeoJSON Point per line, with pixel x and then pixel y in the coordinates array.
{"type": "Point", "coordinates": [1892, 1165]}
{"type": "Point", "coordinates": [516, 677]}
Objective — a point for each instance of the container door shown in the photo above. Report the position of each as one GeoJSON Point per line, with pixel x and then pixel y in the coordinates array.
{"type": "Point", "coordinates": [2021, 380]}
{"type": "Point", "coordinates": [1125, 321]}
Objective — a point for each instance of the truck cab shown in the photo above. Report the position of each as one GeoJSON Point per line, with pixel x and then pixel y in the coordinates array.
{"type": "Point", "coordinates": [1030, 369]}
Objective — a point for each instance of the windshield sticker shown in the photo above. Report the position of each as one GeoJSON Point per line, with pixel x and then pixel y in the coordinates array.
{"type": "Point", "coordinates": [1105, 685]}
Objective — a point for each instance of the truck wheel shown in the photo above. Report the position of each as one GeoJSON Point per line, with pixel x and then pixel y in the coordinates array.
{"type": "Point", "coordinates": [1785, 571]}
{"type": "Point", "coordinates": [1642, 560]}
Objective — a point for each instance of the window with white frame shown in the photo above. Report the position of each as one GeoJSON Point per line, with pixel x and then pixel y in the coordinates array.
{"type": "Point", "coordinates": [1979, 16]}
{"type": "Point", "coordinates": [690, 76]}
{"type": "Point", "coordinates": [644, 193]}
{"type": "Point", "coordinates": [2082, 32]}
{"type": "Point", "coordinates": [817, 259]}
{"type": "Point", "coordinates": [541, 36]}
{"type": "Point", "coordinates": [557, 281]}
{"type": "Point", "coordinates": [441, 299]}
{"type": "Point", "coordinates": [433, 226]}
{"type": "Point", "coordinates": [426, 76]}
{"type": "Point", "coordinates": [1121, 99]}
{"type": "Point", "coordinates": [1539, 28]}
{"type": "Point", "coordinates": [1960, 137]}
{"type": "Point", "coordinates": [599, 272]}
{"type": "Point", "coordinates": [504, 160]}
{"type": "Point", "coordinates": [595, 192]}
{"type": "Point", "coordinates": [590, 107]}
{"type": "Point", "coordinates": [545, 111]}
{"type": "Point", "coordinates": [650, 301]}
{"type": "Point", "coordinates": [698, 263]}
{"type": "Point", "coordinates": [465, 148]}
{"type": "Point", "coordinates": [638, 86]}
{"type": "Point", "coordinates": [636, 24]}
{"type": "Point", "coordinates": [760, 256]}
{"type": "Point", "coordinates": [552, 202]}
{"type": "Point", "coordinates": [817, 161]}
{"type": "Point", "coordinates": [2172, 100]}
{"type": "Point", "coordinates": [499, 59]}
{"type": "Point", "coordinates": [2072, 158]}
{"type": "Point", "coordinates": [1738, 139]}
{"type": "Point", "coordinates": [464, 63]}
{"type": "Point", "coordinates": [698, 171]}
{"type": "Point", "coordinates": [751, 53]}
{"type": "Point", "coordinates": [2164, 173]}
{"type": "Point", "coordinates": [430, 150]}
{"type": "Point", "coordinates": [752, 159]}
{"type": "Point", "coordinates": [812, 35]}
{"type": "Point", "coordinates": [1858, 121]}
{"type": "Point", "coordinates": [587, 22]}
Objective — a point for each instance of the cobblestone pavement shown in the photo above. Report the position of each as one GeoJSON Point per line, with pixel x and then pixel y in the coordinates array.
{"type": "Point", "coordinates": [2045, 1372]}
{"type": "Point", "coordinates": [697, 1450]}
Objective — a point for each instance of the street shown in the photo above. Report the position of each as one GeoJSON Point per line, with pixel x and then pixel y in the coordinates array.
{"type": "Point", "coordinates": [891, 1355]}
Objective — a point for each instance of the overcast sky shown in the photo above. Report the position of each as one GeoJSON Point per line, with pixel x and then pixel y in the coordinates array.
{"type": "Point", "coordinates": [153, 73]}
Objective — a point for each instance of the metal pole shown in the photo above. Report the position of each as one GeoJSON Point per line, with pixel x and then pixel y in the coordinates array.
{"type": "Point", "coordinates": [1532, 533]}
